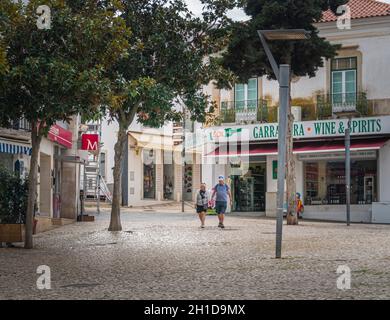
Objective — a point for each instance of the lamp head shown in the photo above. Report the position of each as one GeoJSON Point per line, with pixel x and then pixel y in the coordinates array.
{"type": "Point", "coordinates": [285, 34]}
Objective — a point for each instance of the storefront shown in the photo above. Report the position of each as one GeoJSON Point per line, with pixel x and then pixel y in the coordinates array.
{"type": "Point", "coordinates": [52, 149]}
{"type": "Point", "coordinates": [155, 169]}
{"type": "Point", "coordinates": [151, 168]}
{"type": "Point", "coordinates": [248, 155]}
{"type": "Point", "coordinates": [15, 156]}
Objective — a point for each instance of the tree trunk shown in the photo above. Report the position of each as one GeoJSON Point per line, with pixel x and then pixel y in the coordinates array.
{"type": "Point", "coordinates": [292, 218]}
{"type": "Point", "coordinates": [115, 222]}
{"type": "Point", "coordinates": [36, 138]}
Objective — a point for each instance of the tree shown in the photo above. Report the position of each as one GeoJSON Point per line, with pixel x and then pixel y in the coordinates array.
{"type": "Point", "coordinates": [165, 67]}
{"type": "Point", "coordinates": [3, 52]}
{"type": "Point", "coordinates": [245, 56]}
{"type": "Point", "coordinates": [57, 72]}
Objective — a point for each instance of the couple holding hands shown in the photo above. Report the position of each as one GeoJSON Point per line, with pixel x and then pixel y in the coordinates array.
{"type": "Point", "coordinates": [221, 193]}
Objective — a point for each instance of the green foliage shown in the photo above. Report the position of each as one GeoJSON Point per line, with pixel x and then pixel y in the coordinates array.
{"type": "Point", "coordinates": [308, 107]}
{"type": "Point", "coordinates": [3, 60]}
{"type": "Point", "coordinates": [245, 56]}
{"type": "Point", "coordinates": [165, 66]}
{"type": "Point", "coordinates": [13, 200]}
{"type": "Point", "coordinates": [59, 72]}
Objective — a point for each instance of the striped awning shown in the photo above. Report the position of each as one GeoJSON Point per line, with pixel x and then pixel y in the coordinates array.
{"type": "Point", "coordinates": [15, 148]}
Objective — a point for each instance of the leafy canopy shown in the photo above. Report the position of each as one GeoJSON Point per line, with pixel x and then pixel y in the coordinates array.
{"type": "Point", "coordinates": [245, 55]}
{"type": "Point", "coordinates": [166, 63]}
{"type": "Point", "coordinates": [58, 72]}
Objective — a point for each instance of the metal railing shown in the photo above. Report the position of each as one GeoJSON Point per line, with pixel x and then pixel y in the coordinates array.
{"type": "Point", "coordinates": [329, 104]}
{"type": "Point", "coordinates": [21, 124]}
{"type": "Point", "coordinates": [248, 111]}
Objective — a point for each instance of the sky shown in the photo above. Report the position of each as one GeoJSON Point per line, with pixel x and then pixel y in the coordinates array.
{"type": "Point", "coordinates": [196, 7]}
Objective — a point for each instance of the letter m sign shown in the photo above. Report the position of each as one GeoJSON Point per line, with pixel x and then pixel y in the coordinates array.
{"type": "Point", "coordinates": [89, 142]}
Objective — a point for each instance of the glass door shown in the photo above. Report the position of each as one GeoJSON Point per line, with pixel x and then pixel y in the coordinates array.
{"type": "Point", "coordinates": [245, 95]}
{"type": "Point", "coordinates": [344, 88]}
{"type": "Point", "coordinates": [249, 190]}
{"type": "Point", "coordinates": [344, 84]}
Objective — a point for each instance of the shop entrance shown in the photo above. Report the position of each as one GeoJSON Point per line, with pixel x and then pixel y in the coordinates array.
{"type": "Point", "coordinates": [45, 185]}
{"type": "Point", "coordinates": [149, 175]}
{"type": "Point", "coordinates": [169, 175]}
{"type": "Point", "coordinates": [249, 188]}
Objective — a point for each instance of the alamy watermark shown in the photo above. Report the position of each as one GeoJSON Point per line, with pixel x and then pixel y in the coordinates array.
{"type": "Point", "coordinates": [344, 18]}
{"type": "Point", "coordinates": [344, 280]}
{"type": "Point", "coordinates": [44, 19]}
{"type": "Point", "coordinates": [44, 280]}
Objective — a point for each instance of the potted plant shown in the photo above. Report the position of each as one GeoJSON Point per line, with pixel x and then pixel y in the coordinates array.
{"type": "Point", "coordinates": [13, 206]}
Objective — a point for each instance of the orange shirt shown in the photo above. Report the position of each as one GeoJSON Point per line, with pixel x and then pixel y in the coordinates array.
{"type": "Point", "coordinates": [299, 205]}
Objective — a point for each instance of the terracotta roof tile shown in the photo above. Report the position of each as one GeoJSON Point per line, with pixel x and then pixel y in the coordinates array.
{"type": "Point", "coordinates": [361, 9]}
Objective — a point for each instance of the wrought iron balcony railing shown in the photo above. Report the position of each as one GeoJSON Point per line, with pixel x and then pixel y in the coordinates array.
{"type": "Point", "coordinates": [248, 111]}
{"type": "Point", "coordinates": [330, 104]}
{"type": "Point", "coordinates": [21, 124]}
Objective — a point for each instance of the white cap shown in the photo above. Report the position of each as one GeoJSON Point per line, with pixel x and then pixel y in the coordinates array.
{"type": "Point", "coordinates": [221, 178]}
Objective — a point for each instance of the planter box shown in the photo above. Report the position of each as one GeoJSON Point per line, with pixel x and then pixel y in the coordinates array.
{"type": "Point", "coordinates": [12, 232]}
{"type": "Point", "coordinates": [88, 218]}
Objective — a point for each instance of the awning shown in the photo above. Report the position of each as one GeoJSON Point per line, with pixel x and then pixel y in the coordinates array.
{"type": "Point", "coordinates": [157, 141]}
{"type": "Point", "coordinates": [299, 147]}
{"type": "Point", "coordinates": [339, 145]}
{"type": "Point", "coordinates": [15, 148]}
{"type": "Point", "coordinates": [248, 150]}
{"type": "Point", "coordinates": [152, 141]}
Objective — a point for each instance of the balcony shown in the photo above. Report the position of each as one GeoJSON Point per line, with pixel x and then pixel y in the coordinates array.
{"type": "Point", "coordinates": [17, 129]}
{"type": "Point", "coordinates": [330, 104]}
{"type": "Point", "coordinates": [249, 111]}
{"type": "Point", "coordinates": [324, 107]}
{"type": "Point", "coordinates": [21, 124]}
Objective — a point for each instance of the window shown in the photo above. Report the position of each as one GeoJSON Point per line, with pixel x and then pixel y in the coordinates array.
{"type": "Point", "coordinates": [325, 182]}
{"type": "Point", "coordinates": [246, 94]}
{"type": "Point", "coordinates": [344, 83]}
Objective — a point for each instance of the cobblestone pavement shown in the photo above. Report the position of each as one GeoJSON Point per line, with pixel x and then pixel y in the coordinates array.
{"type": "Point", "coordinates": [167, 256]}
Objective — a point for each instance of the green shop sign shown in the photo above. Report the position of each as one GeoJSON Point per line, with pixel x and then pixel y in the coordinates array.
{"type": "Point", "coordinates": [304, 129]}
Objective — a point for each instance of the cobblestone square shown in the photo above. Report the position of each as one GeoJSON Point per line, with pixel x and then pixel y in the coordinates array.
{"type": "Point", "coordinates": [162, 255]}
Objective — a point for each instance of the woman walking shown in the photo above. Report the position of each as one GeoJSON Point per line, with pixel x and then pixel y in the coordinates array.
{"type": "Point", "coordinates": [202, 200]}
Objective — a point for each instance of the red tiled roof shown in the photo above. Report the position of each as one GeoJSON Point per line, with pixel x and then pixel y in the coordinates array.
{"type": "Point", "coordinates": [361, 9]}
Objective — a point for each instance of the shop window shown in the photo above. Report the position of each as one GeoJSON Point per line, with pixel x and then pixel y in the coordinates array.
{"type": "Point", "coordinates": [188, 182]}
{"type": "Point", "coordinates": [325, 182]}
{"type": "Point", "coordinates": [312, 180]}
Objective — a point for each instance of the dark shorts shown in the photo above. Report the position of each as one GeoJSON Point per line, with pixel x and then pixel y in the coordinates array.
{"type": "Point", "coordinates": [220, 207]}
{"type": "Point", "coordinates": [200, 209]}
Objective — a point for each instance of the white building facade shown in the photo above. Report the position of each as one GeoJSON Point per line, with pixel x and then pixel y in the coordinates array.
{"type": "Point", "coordinates": [153, 165]}
{"type": "Point", "coordinates": [243, 145]}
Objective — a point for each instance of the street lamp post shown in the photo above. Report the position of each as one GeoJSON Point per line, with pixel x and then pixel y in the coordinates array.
{"type": "Point", "coordinates": [348, 170]}
{"type": "Point", "coordinates": [183, 155]}
{"type": "Point", "coordinates": [348, 114]}
{"type": "Point", "coordinates": [282, 74]}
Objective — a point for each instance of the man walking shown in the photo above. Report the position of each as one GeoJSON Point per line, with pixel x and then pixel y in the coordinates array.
{"type": "Point", "coordinates": [222, 191]}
